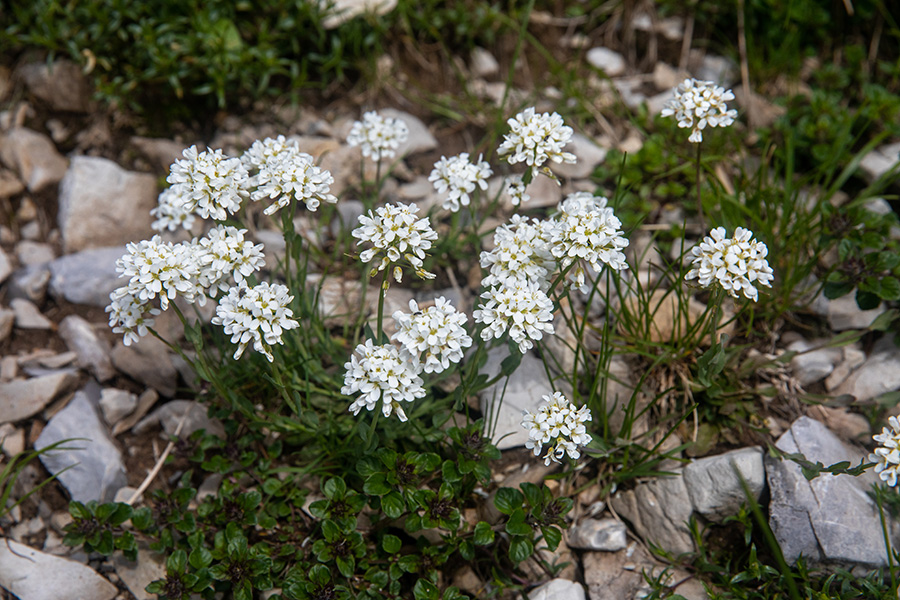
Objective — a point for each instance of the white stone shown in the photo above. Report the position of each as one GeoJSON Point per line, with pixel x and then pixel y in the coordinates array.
{"type": "Point", "coordinates": [92, 349]}
{"type": "Point", "coordinates": [608, 535]}
{"type": "Point", "coordinates": [588, 155]}
{"type": "Point", "coordinates": [5, 266]}
{"type": "Point", "coordinates": [34, 157]}
{"type": "Point", "coordinates": [341, 11]}
{"type": "Point", "coordinates": [86, 277]}
{"type": "Point", "coordinates": [853, 357]}
{"type": "Point", "coordinates": [137, 575]}
{"type": "Point", "coordinates": [558, 589]}
{"type": "Point", "coordinates": [34, 253]}
{"type": "Point", "coordinates": [419, 140]}
{"type": "Point", "coordinates": [609, 61]}
{"type": "Point", "coordinates": [483, 63]}
{"type": "Point", "coordinates": [878, 375]}
{"type": "Point", "coordinates": [879, 161]}
{"type": "Point", "coordinates": [714, 484]}
{"type": "Point", "coordinates": [659, 510]}
{"type": "Point", "coordinates": [810, 366]}
{"type": "Point", "coordinates": [843, 313]}
{"type": "Point", "coordinates": [116, 404]}
{"type": "Point", "coordinates": [28, 316]}
{"type": "Point", "coordinates": [34, 575]}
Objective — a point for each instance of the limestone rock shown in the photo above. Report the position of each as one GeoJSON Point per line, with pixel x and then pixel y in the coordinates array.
{"type": "Point", "coordinates": [101, 204]}
{"type": "Point", "coordinates": [659, 511]}
{"type": "Point", "coordinates": [419, 140]}
{"type": "Point", "coordinates": [843, 313]}
{"type": "Point", "coordinates": [34, 157]}
{"type": "Point", "coordinates": [830, 519]}
{"type": "Point", "coordinates": [714, 486]}
{"type": "Point", "coordinates": [879, 161]}
{"type": "Point", "coordinates": [98, 471]}
{"type": "Point", "coordinates": [24, 398]}
{"type": "Point", "coordinates": [852, 358]}
{"type": "Point", "coordinates": [116, 404]}
{"type": "Point", "coordinates": [341, 11]}
{"type": "Point", "coordinates": [879, 374]}
{"type": "Point", "coordinates": [558, 589]}
{"type": "Point", "coordinates": [588, 155]}
{"type": "Point", "coordinates": [137, 575]}
{"type": "Point", "coordinates": [86, 277]}
{"type": "Point", "coordinates": [5, 266]}
{"type": "Point", "coordinates": [34, 253]}
{"type": "Point", "coordinates": [161, 152]}
{"type": "Point", "coordinates": [608, 535]}
{"type": "Point", "coordinates": [34, 575]}
{"type": "Point", "coordinates": [29, 283]}
{"type": "Point", "coordinates": [147, 361]}
{"type": "Point", "coordinates": [171, 414]}
{"type": "Point", "coordinates": [28, 316]}
{"type": "Point", "coordinates": [482, 63]}
{"type": "Point", "coordinates": [609, 61]}
{"type": "Point", "coordinates": [810, 365]}
{"type": "Point", "coordinates": [62, 85]}
{"type": "Point", "coordinates": [92, 350]}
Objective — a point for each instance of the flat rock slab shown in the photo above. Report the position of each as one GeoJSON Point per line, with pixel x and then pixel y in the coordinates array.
{"type": "Point", "coordinates": [659, 511]}
{"type": "Point", "coordinates": [558, 589]}
{"type": "Point", "coordinates": [714, 483]}
{"type": "Point", "coordinates": [86, 277]}
{"type": "Point", "coordinates": [98, 471]}
{"type": "Point", "coordinates": [33, 575]}
{"type": "Point", "coordinates": [830, 519]}
{"type": "Point", "coordinates": [34, 157]}
{"type": "Point", "coordinates": [607, 535]}
{"type": "Point", "coordinates": [26, 397]}
{"type": "Point", "coordinates": [137, 575]}
{"type": "Point", "coordinates": [92, 350]}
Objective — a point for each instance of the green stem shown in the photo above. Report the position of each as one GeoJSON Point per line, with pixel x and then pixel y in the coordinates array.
{"type": "Point", "coordinates": [370, 438]}
{"type": "Point", "coordinates": [699, 199]}
{"type": "Point", "coordinates": [887, 540]}
{"type": "Point", "coordinates": [381, 293]}
{"type": "Point", "coordinates": [282, 384]}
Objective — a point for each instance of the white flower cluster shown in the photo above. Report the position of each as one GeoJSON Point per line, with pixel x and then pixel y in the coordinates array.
{"type": "Point", "coordinates": [536, 138]}
{"type": "Point", "coordinates": [381, 374]}
{"type": "Point", "coordinates": [697, 104]}
{"type": "Point", "coordinates": [887, 455]}
{"type": "Point", "coordinates": [259, 314]}
{"type": "Point", "coordinates": [514, 186]}
{"type": "Point", "coordinates": [559, 425]}
{"type": "Point", "coordinates": [737, 263]}
{"type": "Point", "coordinates": [458, 177]}
{"type": "Point", "coordinates": [432, 338]}
{"type": "Point", "coordinates": [521, 253]}
{"type": "Point", "coordinates": [159, 269]}
{"type": "Point", "coordinates": [211, 184]}
{"type": "Point", "coordinates": [285, 172]}
{"type": "Point", "coordinates": [378, 136]}
{"type": "Point", "coordinates": [396, 231]}
{"type": "Point", "coordinates": [129, 316]}
{"type": "Point", "coordinates": [522, 308]}
{"type": "Point", "coordinates": [172, 211]}
{"type": "Point", "coordinates": [224, 255]}
{"type": "Point", "coordinates": [587, 230]}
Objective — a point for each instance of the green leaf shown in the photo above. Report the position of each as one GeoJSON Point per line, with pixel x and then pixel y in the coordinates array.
{"type": "Point", "coordinates": [517, 525]}
{"type": "Point", "coordinates": [532, 493]}
{"type": "Point", "coordinates": [520, 548]}
{"type": "Point", "coordinates": [334, 487]}
{"type": "Point", "coordinates": [345, 566]}
{"type": "Point", "coordinates": [467, 550]}
{"type": "Point", "coordinates": [392, 504]}
{"type": "Point", "coordinates": [391, 544]}
{"type": "Point", "coordinates": [552, 537]}
{"type": "Point", "coordinates": [425, 590]}
{"type": "Point", "coordinates": [376, 485]}
{"type": "Point", "coordinates": [449, 472]}
{"type": "Point", "coordinates": [176, 562]}
{"type": "Point", "coordinates": [507, 500]}
{"type": "Point", "coordinates": [200, 558]}
{"type": "Point", "coordinates": [867, 300]}
{"type": "Point", "coordinates": [484, 535]}
{"type": "Point", "coordinates": [890, 288]}
{"type": "Point", "coordinates": [836, 289]}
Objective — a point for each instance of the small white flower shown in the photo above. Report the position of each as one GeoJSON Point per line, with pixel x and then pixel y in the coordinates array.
{"type": "Point", "coordinates": [381, 374]}
{"type": "Point", "coordinates": [395, 231]}
{"type": "Point", "coordinates": [737, 263]}
{"type": "Point", "coordinates": [260, 315]}
{"type": "Point", "coordinates": [223, 255]}
{"type": "Point", "coordinates": [534, 139]}
{"type": "Point", "coordinates": [172, 211]}
{"type": "Point", "coordinates": [129, 316]}
{"type": "Point", "coordinates": [211, 184]}
{"type": "Point", "coordinates": [378, 136]}
{"type": "Point", "coordinates": [887, 455]}
{"type": "Point", "coordinates": [697, 104]}
{"type": "Point", "coordinates": [522, 308]}
{"type": "Point", "coordinates": [559, 425]}
{"type": "Point", "coordinates": [521, 253]}
{"type": "Point", "coordinates": [434, 337]}
{"type": "Point", "coordinates": [285, 172]}
{"type": "Point", "coordinates": [457, 177]}
{"type": "Point", "coordinates": [156, 268]}
{"type": "Point", "coordinates": [587, 230]}
{"type": "Point", "coordinates": [515, 187]}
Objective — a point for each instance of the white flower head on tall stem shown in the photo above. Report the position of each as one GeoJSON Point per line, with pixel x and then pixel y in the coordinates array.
{"type": "Point", "coordinates": [212, 184]}
{"type": "Point", "coordinates": [433, 337]}
{"type": "Point", "coordinates": [738, 264]}
{"type": "Point", "coordinates": [522, 308]}
{"type": "Point", "coordinates": [536, 138]}
{"type": "Point", "coordinates": [224, 255]}
{"type": "Point", "coordinates": [887, 455]}
{"type": "Point", "coordinates": [697, 104]}
{"type": "Point", "coordinates": [458, 177]}
{"type": "Point", "coordinates": [129, 316]}
{"type": "Point", "coordinates": [172, 211]}
{"type": "Point", "coordinates": [514, 187]}
{"type": "Point", "coordinates": [259, 315]}
{"type": "Point", "coordinates": [286, 173]}
{"type": "Point", "coordinates": [380, 374]}
{"type": "Point", "coordinates": [160, 269]}
{"type": "Point", "coordinates": [560, 426]}
{"type": "Point", "coordinates": [521, 253]}
{"type": "Point", "coordinates": [378, 136]}
{"type": "Point", "coordinates": [587, 230]}
{"type": "Point", "coordinates": [396, 233]}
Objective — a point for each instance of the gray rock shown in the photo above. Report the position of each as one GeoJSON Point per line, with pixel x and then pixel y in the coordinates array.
{"type": "Point", "coordinates": [341, 11]}
{"type": "Point", "coordinates": [718, 69]}
{"type": "Point", "coordinates": [629, 89]}
{"type": "Point", "coordinates": [558, 589]}
{"type": "Point", "coordinates": [853, 358]}
{"type": "Point", "coordinates": [34, 575]}
{"type": "Point", "coordinates": [98, 471]}
{"type": "Point", "coordinates": [137, 575]}
{"type": "Point", "coordinates": [714, 486]}
{"type": "Point", "coordinates": [34, 253]}
{"type": "Point", "coordinates": [29, 283]}
{"type": "Point", "coordinates": [346, 216]}
{"type": "Point", "coordinates": [86, 277]}
{"type": "Point", "coordinates": [609, 61]}
{"type": "Point", "coordinates": [420, 139]}
{"type": "Point", "coordinates": [28, 316]}
{"type": "Point", "coordinates": [659, 511]}
{"type": "Point", "coordinates": [608, 535]}
{"type": "Point", "coordinates": [26, 397]}
{"type": "Point", "coordinates": [92, 350]}
{"type": "Point", "coordinates": [34, 157]}
{"type": "Point", "coordinates": [170, 414]}
{"type": "Point", "coordinates": [147, 361]}
{"type": "Point", "coordinates": [812, 366]}
{"type": "Point", "coordinates": [62, 85]}
{"type": "Point", "coordinates": [830, 519]}
{"type": "Point", "coordinates": [482, 63]}
{"type": "Point", "coordinates": [31, 231]}
{"type": "Point", "coordinates": [878, 375]}
{"type": "Point", "coordinates": [588, 153]}
{"type": "Point", "coordinates": [524, 391]}
{"type": "Point", "coordinates": [879, 161]}
{"type": "Point", "coordinates": [159, 151]}
{"type": "Point", "coordinates": [12, 439]}
{"type": "Point", "coordinates": [144, 404]}
{"type": "Point", "coordinates": [620, 390]}
{"type": "Point", "coordinates": [617, 575]}
{"type": "Point", "coordinates": [6, 268]}
{"type": "Point", "coordinates": [101, 204]}
{"type": "Point", "coordinates": [116, 404]}
{"type": "Point", "coordinates": [843, 313]}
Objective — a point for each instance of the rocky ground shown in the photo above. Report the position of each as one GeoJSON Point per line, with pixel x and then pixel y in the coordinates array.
{"type": "Point", "coordinates": [74, 190]}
